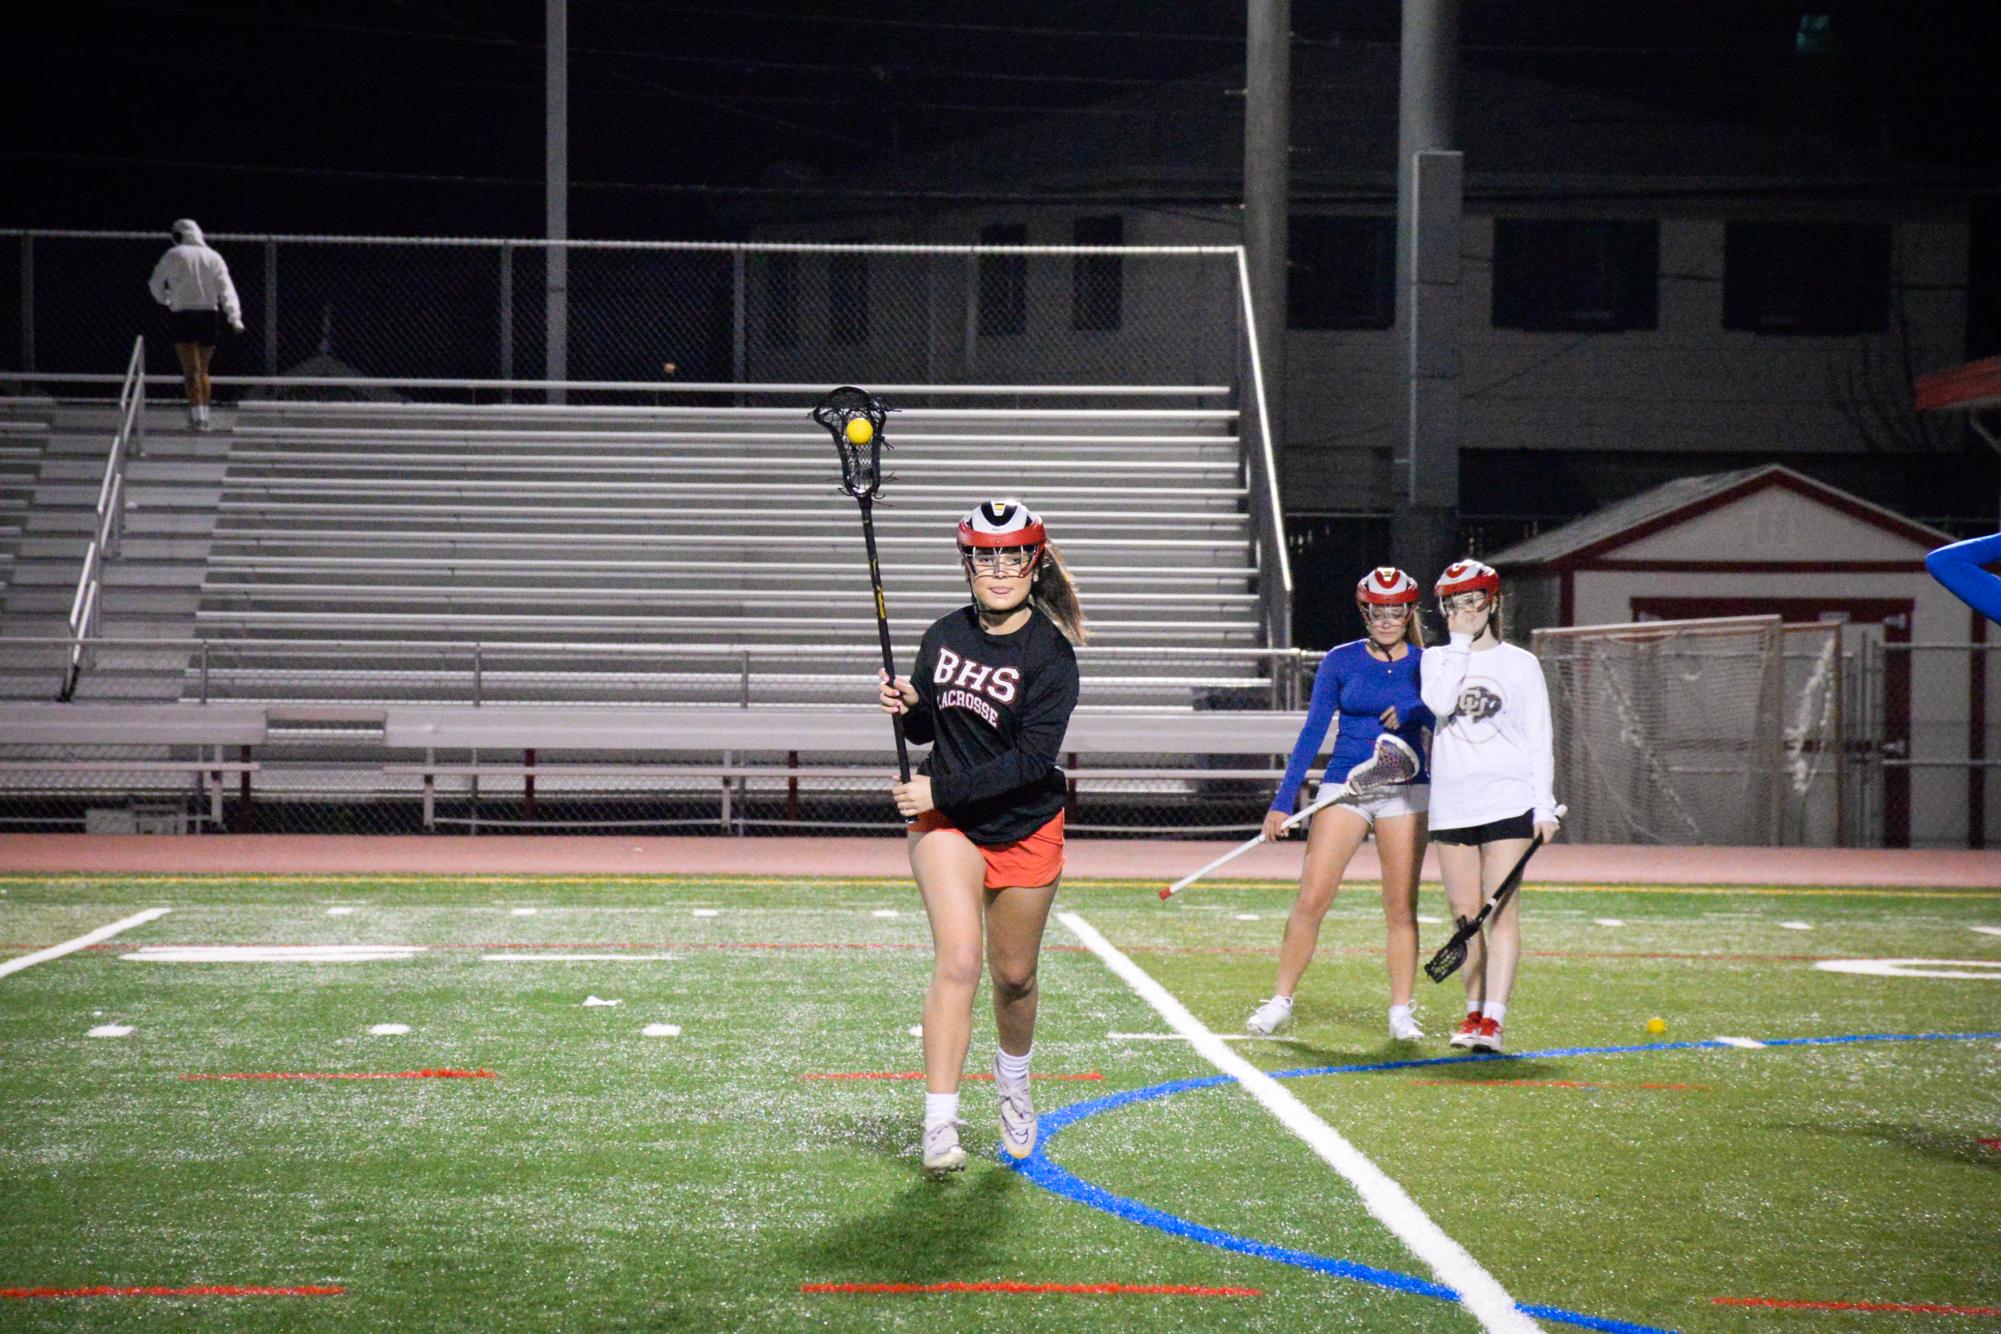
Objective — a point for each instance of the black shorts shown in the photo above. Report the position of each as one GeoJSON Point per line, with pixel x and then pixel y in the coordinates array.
{"type": "Point", "coordinates": [1473, 835]}
{"type": "Point", "coordinates": [195, 326]}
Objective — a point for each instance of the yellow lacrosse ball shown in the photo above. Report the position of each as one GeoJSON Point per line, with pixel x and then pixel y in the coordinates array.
{"type": "Point", "coordinates": [1656, 1025]}
{"type": "Point", "coordinates": [860, 432]}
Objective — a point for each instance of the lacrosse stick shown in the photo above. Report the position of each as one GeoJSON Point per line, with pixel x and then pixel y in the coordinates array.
{"type": "Point", "coordinates": [1453, 952]}
{"type": "Point", "coordinates": [1393, 763]}
{"type": "Point", "coordinates": [854, 417]}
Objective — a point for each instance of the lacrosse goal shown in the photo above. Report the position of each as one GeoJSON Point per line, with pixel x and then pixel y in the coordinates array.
{"type": "Point", "coordinates": [1722, 731]}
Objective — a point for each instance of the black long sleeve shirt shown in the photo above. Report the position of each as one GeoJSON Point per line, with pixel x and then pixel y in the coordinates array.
{"type": "Point", "coordinates": [995, 708]}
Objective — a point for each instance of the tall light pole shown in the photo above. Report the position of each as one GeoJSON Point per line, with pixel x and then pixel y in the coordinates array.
{"type": "Point", "coordinates": [556, 162]}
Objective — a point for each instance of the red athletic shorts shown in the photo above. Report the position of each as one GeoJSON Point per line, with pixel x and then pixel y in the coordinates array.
{"type": "Point", "coordinates": [1030, 862]}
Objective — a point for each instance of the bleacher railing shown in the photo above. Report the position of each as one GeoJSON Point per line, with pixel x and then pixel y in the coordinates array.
{"type": "Point", "coordinates": [130, 436]}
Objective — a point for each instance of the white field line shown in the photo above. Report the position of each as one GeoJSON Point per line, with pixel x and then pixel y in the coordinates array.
{"type": "Point", "coordinates": [1746, 1043]}
{"type": "Point", "coordinates": [1607, 921]}
{"type": "Point", "coordinates": [111, 1031]}
{"type": "Point", "coordinates": [1797, 926]}
{"type": "Point", "coordinates": [87, 938]}
{"type": "Point", "coordinates": [661, 1031]}
{"type": "Point", "coordinates": [339, 912]}
{"type": "Point", "coordinates": [1245, 916]}
{"type": "Point", "coordinates": [1483, 1295]}
{"type": "Point", "coordinates": [1430, 921]}
{"type": "Point", "coordinates": [271, 953]}
{"type": "Point", "coordinates": [1989, 930]}
{"type": "Point", "coordinates": [389, 1030]}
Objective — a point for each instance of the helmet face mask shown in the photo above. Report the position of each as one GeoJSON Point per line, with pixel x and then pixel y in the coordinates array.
{"type": "Point", "coordinates": [1004, 562]}
{"type": "Point", "coordinates": [1001, 540]}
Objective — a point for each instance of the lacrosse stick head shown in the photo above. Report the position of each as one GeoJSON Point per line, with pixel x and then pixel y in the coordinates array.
{"type": "Point", "coordinates": [854, 417]}
{"type": "Point", "coordinates": [1392, 762]}
{"type": "Point", "coordinates": [1446, 962]}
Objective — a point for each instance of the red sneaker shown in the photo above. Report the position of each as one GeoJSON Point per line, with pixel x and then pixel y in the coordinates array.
{"type": "Point", "coordinates": [1468, 1031]}
{"type": "Point", "coordinates": [1489, 1036]}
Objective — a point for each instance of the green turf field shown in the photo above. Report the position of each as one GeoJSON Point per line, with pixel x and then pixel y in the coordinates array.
{"type": "Point", "coordinates": [605, 1177]}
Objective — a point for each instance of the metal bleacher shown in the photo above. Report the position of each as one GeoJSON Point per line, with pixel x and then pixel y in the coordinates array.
{"type": "Point", "coordinates": [701, 554]}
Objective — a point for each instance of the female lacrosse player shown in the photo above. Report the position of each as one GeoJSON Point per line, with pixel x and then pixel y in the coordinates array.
{"type": "Point", "coordinates": [1492, 774]}
{"type": "Point", "coordinates": [993, 688]}
{"type": "Point", "coordinates": [1962, 569]}
{"type": "Point", "coordinates": [1371, 684]}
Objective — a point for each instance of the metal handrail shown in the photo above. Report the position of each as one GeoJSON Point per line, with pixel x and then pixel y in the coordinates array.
{"type": "Point", "coordinates": [87, 605]}
{"type": "Point", "coordinates": [747, 388]}
{"type": "Point", "coordinates": [1271, 524]}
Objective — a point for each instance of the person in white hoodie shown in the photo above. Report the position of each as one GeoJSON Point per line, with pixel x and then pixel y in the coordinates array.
{"type": "Point", "coordinates": [192, 282]}
{"type": "Point", "coordinates": [1493, 768]}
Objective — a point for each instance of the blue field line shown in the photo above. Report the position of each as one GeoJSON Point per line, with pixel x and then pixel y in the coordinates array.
{"type": "Point", "coordinates": [1038, 1168]}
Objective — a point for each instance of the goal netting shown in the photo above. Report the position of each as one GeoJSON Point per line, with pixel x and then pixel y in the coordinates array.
{"type": "Point", "coordinates": [1719, 731]}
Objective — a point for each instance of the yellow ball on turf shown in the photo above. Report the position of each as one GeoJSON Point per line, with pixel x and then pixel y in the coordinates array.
{"type": "Point", "coordinates": [860, 432]}
{"type": "Point", "coordinates": [1656, 1025]}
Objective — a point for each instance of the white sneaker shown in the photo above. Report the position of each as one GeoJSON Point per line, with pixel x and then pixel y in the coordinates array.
{"type": "Point", "coordinates": [1017, 1114]}
{"type": "Point", "coordinates": [1404, 1027]}
{"type": "Point", "coordinates": [1268, 1018]}
{"type": "Point", "coordinates": [942, 1153]}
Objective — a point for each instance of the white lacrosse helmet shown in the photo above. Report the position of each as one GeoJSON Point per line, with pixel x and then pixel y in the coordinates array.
{"type": "Point", "coordinates": [1468, 576]}
{"type": "Point", "coordinates": [1001, 523]}
{"type": "Point", "coordinates": [1386, 586]}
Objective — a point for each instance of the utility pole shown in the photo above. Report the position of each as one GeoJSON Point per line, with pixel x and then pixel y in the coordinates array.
{"type": "Point", "coordinates": [1267, 197]}
{"type": "Point", "coordinates": [1430, 195]}
{"type": "Point", "coordinates": [556, 154]}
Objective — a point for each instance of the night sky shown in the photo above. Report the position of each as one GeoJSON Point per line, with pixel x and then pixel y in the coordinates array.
{"type": "Point", "coordinates": [425, 116]}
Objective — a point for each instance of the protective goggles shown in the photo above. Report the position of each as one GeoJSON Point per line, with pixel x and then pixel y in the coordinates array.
{"type": "Point", "coordinates": [999, 560]}
{"type": "Point", "coordinates": [1476, 600]}
{"type": "Point", "coordinates": [1393, 614]}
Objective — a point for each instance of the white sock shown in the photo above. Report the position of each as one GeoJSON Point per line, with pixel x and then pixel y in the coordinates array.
{"type": "Point", "coordinates": [1400, 1012]}
{"type": "Point", "coordinates": [1495, 1010]}
{"type": "Point", "coordinates": [201, 413]}
{"type": "Point", "coordinates": [1013, 1067]}
{"type": "Point", "coordinates": [1286, 1001]}
{"type": "Point", "coordinates": [940, 1107]}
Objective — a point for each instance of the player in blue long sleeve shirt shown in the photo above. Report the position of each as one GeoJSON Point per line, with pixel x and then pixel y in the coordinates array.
{"type": "Point", "coordinates": [1364, 688]}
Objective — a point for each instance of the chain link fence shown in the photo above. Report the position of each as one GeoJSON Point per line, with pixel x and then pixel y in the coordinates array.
{"type": "Point", "coordinates": [1923, 743]}
{"type": "Point", "coordinates": [641, 313]}
{"type": "Point", "coordinates": [324, 766]}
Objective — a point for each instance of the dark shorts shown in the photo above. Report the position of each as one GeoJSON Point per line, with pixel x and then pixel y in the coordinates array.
{"type": "Point", "coordinates": [195, 326]}
{"type": "Point", "coordinates": [1494, 831]}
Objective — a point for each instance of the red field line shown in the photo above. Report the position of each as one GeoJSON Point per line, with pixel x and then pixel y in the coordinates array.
{"type": "Point", "coordinates": [1547, 1084]}
{"type": "Point", "coordinates": [211, 1290]}
{"type": "Point", "coordinates": [392, 1074]}
{"type": "Point", "coordinates": [1067, 1289]}
{"type": "Point", "coordinates": [1898, 1308]}
{"type": "Point", "coordinates": [1991, 1144]}
{"type": "Point", "coordinates": [919, 1074]}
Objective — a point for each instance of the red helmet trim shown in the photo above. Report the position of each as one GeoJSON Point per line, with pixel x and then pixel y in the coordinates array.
{"type": "Point", "coordinates": [1386, 586]}
{"type": "Point", "coordinates": [1468, 576]}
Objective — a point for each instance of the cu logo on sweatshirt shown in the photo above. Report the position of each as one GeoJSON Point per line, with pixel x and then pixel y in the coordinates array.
{"type": "Point", "coordinates": [1480, 702]}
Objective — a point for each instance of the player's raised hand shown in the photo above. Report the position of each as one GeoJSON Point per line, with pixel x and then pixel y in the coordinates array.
{"type": "Point", "coordinates": [898, 696]}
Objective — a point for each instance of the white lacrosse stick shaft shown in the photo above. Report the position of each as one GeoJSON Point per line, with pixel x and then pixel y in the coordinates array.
{"type": "Point", "coordinates": [1329, 795]}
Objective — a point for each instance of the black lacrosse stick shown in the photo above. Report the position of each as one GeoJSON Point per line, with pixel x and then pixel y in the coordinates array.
{"type": "Point", "coordinates": [1453, 953]}
{"type": "Point", "coordinates": [855, 418]}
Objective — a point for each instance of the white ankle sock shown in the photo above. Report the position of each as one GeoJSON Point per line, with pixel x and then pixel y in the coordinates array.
{"type": "Point", "coordinates": [201, 413]}
{"type": "Point", "coordinates": [1014, 1067]}
{"type": "Point", "coordinates": [1400, 1012]}
{"type": "Point", "coordinates": [1495, 1010]}
{"type": "Point", "coordinates": [940, 1107]}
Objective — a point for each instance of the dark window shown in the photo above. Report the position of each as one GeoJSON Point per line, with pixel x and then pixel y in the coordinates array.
{"type": "Point", "coordinates": [1559, 274]}
{"type": "Point", "coordinates": [1097, 282]}
{"type": "Point", "coordinates": [1341, 273]}
{"type": "Point", "coordinates": [1806, 278]}
{"type": "Point", "coordinates": [847, 298]}
{"type": "Point", "coordinates": [781, 299]}
{"type": "Point", "coordinates": [1003, 282]}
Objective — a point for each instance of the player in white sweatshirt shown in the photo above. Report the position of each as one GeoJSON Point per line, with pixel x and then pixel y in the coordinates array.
{"type": "Point", "coordinates": [193, 283]}
{"type": "Point", "coordinates": [1492, 774]}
